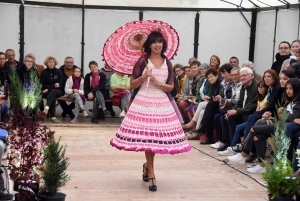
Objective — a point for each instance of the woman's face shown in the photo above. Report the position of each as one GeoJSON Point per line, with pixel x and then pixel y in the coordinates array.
{"type": "Point", "coordinates": [269, 80]}
{"type": "Point", "coordinates": [235, 76]}
{"type": "Point", "coordinates": [295, 47]}
{"type": "Point", "coordinates": [213, 62]}
{"type": "Point", "coordinates": [284, 49]}
{"type": "Point", "coordinates": [202, 71]}
{"type": "Point", "coordinates": [156, 47]}
{"type": "Point", "coordinates": [51, 64]}
{"type": "Point", "coordinates": [283, 79]}
{"type": "Point", "coordinates": [225, 75]}
{"type": "Point", "coordinates": [178, 71]}
{"type": "Point", "coordinates": [289, 90]}
{"type": "Point", "coordinates": [211, 78]}
{"type": "Point", "coordinates": [195, 69]}
{"type": "Point", "coordinates": [261, 89]}
{"type": "Point", "coordinates": [94, 69]}
{"type": "Point", "coordinates": [77, 72]}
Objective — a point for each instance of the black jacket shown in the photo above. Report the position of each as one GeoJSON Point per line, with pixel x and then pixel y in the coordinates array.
{"type": "Point", "coordinates": [88, 86]}
{"type": "Point", "coordinates": [51, 76]}
{"type": "Point", "coordinates": [278, 63]}
{"type": "Point", "coordinates": [3, 74]}
{"type": "Point", "coordinates": [18, 65]}
{"type": "Point", "coordinates": [216, 88]}
{"type": "Point", "coordinates": [250, 103]}
{"type": "Point", "coordinates": [65, 77]}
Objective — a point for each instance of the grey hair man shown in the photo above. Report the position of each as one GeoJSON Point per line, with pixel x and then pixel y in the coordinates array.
{"type": "Point", "coordinates": [250, 64]}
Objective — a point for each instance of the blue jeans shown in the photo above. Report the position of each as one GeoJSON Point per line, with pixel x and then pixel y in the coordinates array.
{"type": "Point", "coordinates": [251, 121]}
{"type": "Point", "coordinates": [218, 125]}
{"type": "Point", "coordinates": [238, 129]}
{"type": "Point", "coordinates": [4, 111]}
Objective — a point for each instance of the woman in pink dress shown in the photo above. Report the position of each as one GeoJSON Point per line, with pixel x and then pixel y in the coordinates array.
{"type": "Point", "coordinates": [151, 123]}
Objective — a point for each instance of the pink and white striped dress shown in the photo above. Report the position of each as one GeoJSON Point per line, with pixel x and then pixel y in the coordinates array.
{"type": "Point", "coordinates": [151, 123]}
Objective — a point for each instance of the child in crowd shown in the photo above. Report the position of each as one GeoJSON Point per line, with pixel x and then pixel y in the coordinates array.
{"type": "Point", "coordinates": [295, 64]}
{"type": "Point", "coordinates": [262, 102]}
{"type": "Point", "coordinates": [74, 89]}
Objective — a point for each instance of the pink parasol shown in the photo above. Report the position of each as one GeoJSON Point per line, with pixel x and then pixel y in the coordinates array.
{"type": "Point", "coordinates": [125, 46]}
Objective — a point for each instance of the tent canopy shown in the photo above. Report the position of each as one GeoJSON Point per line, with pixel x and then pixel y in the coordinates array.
{"type": "Point", "coordinates": [178, 3]}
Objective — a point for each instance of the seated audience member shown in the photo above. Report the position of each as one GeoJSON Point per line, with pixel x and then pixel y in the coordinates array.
{"type": "Point", "coordinates": [284, 49]}
{"type": "Point", "coordinates": [182, 100]}
{"type": "Point", "coordinates": [215, 62]}
{"type": "Point", "coordinates": [295, 64]}
{"type": "Point", "coordinates": [74, 89]}
{"type": "Point", "coordinates": [262, 103]}
{"type": "Point", "coordinates": [3, 194]}
{"type": "Point", "coordinates": [250, 64]}
{"type": "Point", "coordinates": [180, 78]}
{"type": "Point", "coordinates": [259, 133]}
{"type": "Point", "coordinates": [245, 106]}
{"type": "Point", "coordinates": [3, 77]}
{"type": "Point", "coordinates": [94, 86]}
{"type": "Point", "coordinates": [51, 79]}
{"type": "Point", "coordinates": [67, 70]}
{"type": "Point", "coordinates": [38, 67]}
{"type": "Point", "coordinates": [11, 63]}
{"type": "Point", "coordinates": [234, 62]}
{"type": "Point", "coordinates": [120, 91]}
{"type": "Point", "coordinates": [190, 87]}
{"type": "Point", "coordinates": [108, 71]}
{"type": "Point", "coordinates": [294, 47]}
{"type": "Point", "coordinates": [191, 60]}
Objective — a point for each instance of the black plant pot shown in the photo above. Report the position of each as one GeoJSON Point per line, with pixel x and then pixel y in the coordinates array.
{"type": "Point", "coordinates": [297, 197]}
{"type": "Point", "coordinates": [57, 197]}
{"type": "Point", "coordinates": [281, 198]}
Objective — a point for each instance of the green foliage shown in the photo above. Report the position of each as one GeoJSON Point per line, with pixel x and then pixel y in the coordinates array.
{"type": "Point", "coordinates": [279, 177]}
{"type": "Point", "coordinates": [26, 96]}
{"type": "Point", "coordinates": [54, 176]}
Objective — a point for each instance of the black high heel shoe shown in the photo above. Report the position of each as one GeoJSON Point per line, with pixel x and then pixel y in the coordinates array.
{"type": "Point", "coordinates": [145, 177]}
{"type": "Point", "coordinates": [152, 187]}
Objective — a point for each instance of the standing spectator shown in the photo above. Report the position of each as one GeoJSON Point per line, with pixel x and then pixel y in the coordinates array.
{"type": "Point", "coordinates": [39, 68]}
{"type": "Point", "coordinates": [234, 62]}
{"type": "Point", "coordinates": [67, 70]}
{"type": "Point", "coordinates": [119, 93]}
{"type": "Point", "coordinates": [11, 62]}
{"type": "Point", "coordinates": [250, 64]}
{"type": "Point", "coordinates": [108, 71]}
{"type": "Point", "coordinates": [214, 62]}
{"type": "Point", "coordinates": [74, 89]}
{"type": "Point", "coordinates": [284, 49]}
{"type": "Point", "coordinates": [94, 86]}
{"type": "Point", "coordinates": [51, 79]}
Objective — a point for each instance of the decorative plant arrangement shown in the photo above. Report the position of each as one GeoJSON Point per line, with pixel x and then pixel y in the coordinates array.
{"type": "Point", "coordinates": [54, 174]}
{"type": "Point", "coordinates": [281, 182]}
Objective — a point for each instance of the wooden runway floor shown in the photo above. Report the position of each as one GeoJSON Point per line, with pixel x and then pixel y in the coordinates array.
{"type": "Point", "coordinates": [101, 172]}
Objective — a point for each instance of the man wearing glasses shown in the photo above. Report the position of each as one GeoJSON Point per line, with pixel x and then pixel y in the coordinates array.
{"type": "Point", "coordinates": [67, 71]}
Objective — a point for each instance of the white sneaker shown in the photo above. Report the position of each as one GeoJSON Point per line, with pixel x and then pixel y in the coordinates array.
{"type": "Point", "coordinates": [237, 158]}
{"type": "Point", "coordinates": [256, 169]}
{"type": "Point", "coordinates": [227, 152]}
{"type": "Point", "coordinates": [217, 145]}
{"type": "Point", "coordinates": [122, 114]}
{"type": "Point", "coordinates": [253, 164]}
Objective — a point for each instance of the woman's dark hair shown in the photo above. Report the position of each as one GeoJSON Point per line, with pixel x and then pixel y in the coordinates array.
{"type": "Point", "coordinates": [211, 71]}
{"type": "Point", "coordinates": [289, 73]}
{"type": "Point", "coordinates": [76, 67]}
{"type": "Point", "coordinates": [274, 76]}
{"type": "Point", "coordinates": [261, 97]}
{"type": "Point", "coordinates": [295, 83]}
{"type": "Point", "coordinates": [226, 67]}
{"type": "Point", "coordinates": [155, 36]}
{"type": "Point", "coordinates": [286, 43]}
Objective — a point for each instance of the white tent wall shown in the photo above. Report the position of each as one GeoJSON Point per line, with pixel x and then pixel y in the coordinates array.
{"type": "Point", "coordinates": [183, 23]}
{"type": "Point", "coordinates": [53, 32]}
{"type": "Point", "coordinates": [99, 25]}
{"type": "Point", "coordinates": [224, 34]}
{"type": "Point", "coordinates": [10, 30]}
{"type": "Point", "coordinates": [263, 52]}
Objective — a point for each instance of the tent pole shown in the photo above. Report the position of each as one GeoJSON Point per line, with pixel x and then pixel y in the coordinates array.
{"type": "Point", "coordinates": [252, 35]}
{"type": "Point", "coordinates": [141, 15]}
{"type": "Point", "coordinates": [21, 40]}
{"type": "Point", "coordinates": [82, 38]}
{"type": "Point", "coordinates": [196, 36]}
{"type": "Point", "coordinates": [274, 40]}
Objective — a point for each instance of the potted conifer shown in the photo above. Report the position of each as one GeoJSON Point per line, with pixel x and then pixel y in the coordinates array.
{"type": "Point", "coordinates": [54, 175]}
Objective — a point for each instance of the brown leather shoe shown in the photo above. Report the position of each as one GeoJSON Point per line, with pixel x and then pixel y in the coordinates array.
{"type": "Point", "coordinates": [249, 158]}
{"type": "Point", "coordinates": [195, 136]}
